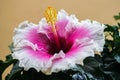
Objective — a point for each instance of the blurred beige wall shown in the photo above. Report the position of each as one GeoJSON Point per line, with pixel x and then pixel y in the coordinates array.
{"type": "Point", "coordinates": [12, 12]}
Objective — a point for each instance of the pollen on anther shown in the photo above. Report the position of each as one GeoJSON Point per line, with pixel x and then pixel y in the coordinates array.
{"type": "Point", "coordinates": [51, 16]}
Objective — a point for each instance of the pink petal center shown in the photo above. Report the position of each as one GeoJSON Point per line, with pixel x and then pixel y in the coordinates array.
{"type": "Point", "coordinates": [47, 43]}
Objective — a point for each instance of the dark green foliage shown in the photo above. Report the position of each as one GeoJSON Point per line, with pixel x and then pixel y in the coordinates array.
{"type": "Point", "coordinates": [15, 72]}
{"type": "Point", "coordinates": [5, 64]}
{"type": "Point", "coordinates": [111, 54]}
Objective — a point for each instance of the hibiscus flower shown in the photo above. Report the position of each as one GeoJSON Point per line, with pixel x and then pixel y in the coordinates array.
{"type": "Point", "coordinates": [57, 43]}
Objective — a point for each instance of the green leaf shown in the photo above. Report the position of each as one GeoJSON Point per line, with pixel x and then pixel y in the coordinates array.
{"type": "Point", "coordinates": [15, 72]}
{"type": "Point", "coordinates": [4, 64]}
{"type": "Point", "coordinates": [117, 57]}
{"type": "Point", "coordinates": [90, 63]}
{"type": "Point", "coordinates": [117, 17]}
{"type": "Point", "coordinates": [109, 28]}
{"type": "Point", "coordinates": [80, 74]}
{"type": "Point", "coordinates": [11, 47]}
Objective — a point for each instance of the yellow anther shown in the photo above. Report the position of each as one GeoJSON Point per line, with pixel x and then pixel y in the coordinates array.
{"type": "Point", "coordinates": [51, 16]}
